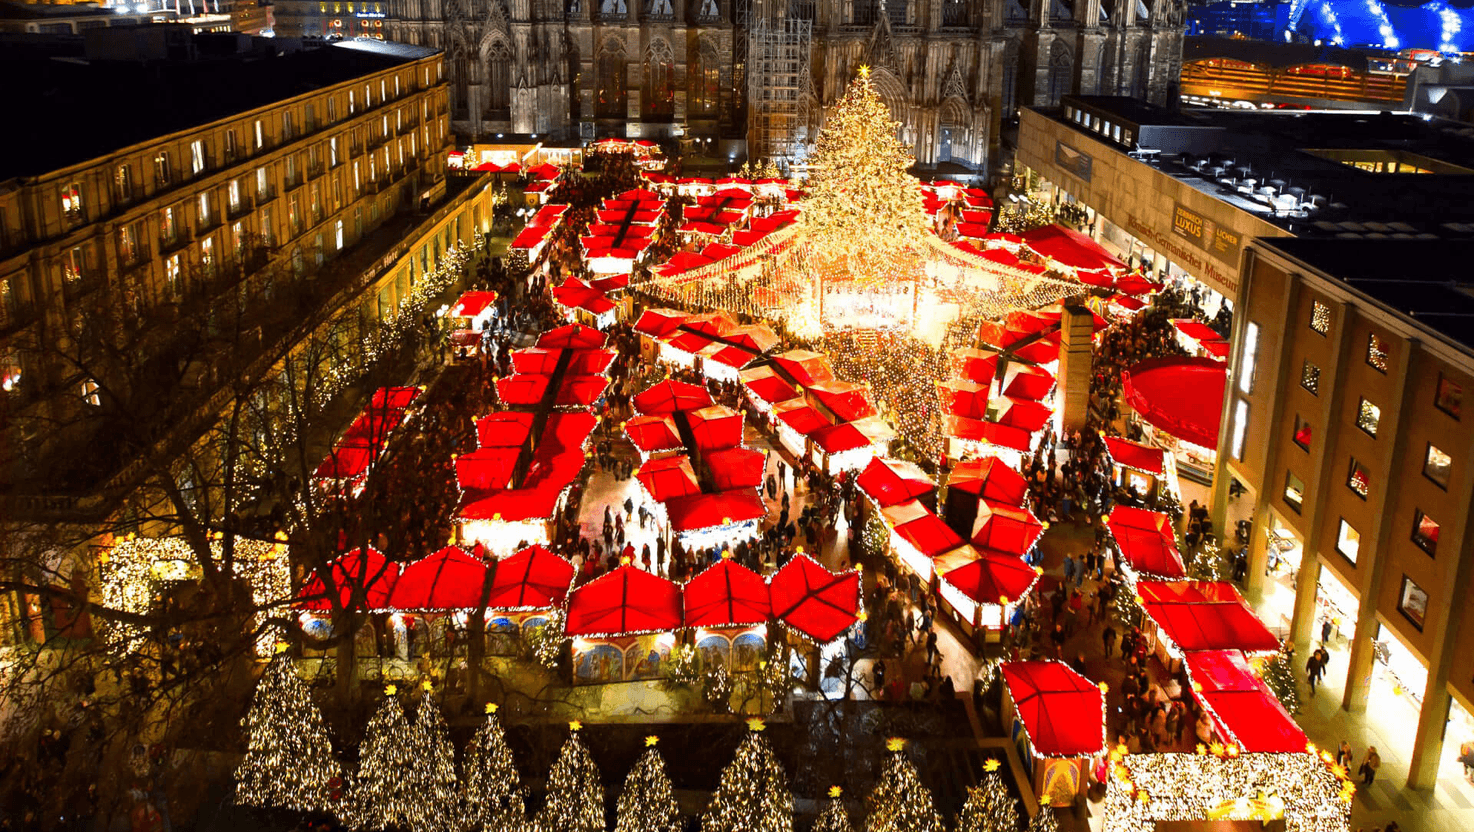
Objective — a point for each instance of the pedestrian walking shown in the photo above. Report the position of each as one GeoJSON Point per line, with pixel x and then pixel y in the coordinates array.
{"type": "Point", "coordinates": [1369, 766]}
{"type": "Point", "coordinates": [1344, 755]}
{"type": "Point", "coordinates": [1314, 670]}
{"type": "Point", "coordinates": [1108, 638]}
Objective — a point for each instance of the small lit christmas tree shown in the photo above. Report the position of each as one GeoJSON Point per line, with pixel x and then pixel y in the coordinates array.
{"type": "Point", "coordinates": [1209, 564]}
{"type": "Point", "coordinates": [575, 795]}
{"type": "Point", "coordinates": [900, 803]}
{"type": "Point", "coordinates": [1279, 675]}
{"type": "Point", "coordinates": [432, 777]}
{"type": "Point", "coordinates": [989, 806]}
{"type": "Point", "coordinates": [491, 789]}
{"type": "Point", "coordinates": [752, 795]}
{"type": "Point", "coordinates": [1045, 821]}
{"type": "Point", "coordinates": [383, 795]}
{"type": "Point", "coordinates": [834, 818]}
{"type": "Point", "coordinates": [647, 804]}
{"type": "Point", "coordinates": [289, 759]}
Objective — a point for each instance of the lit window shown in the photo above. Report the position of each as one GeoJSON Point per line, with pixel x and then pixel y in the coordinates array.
{"type": "Point", "coordinates": [1320, 317]}
{"type": "Point", "coordinates": [169, 226]}
{"type": "Point", "coordinates": [1450, 397]}
{"type": "Point", "coordinates": [204, 209]}
{"type": "Point", "coordinates": [233, 194]}
{"type": "Point", "coordinates": [352, 102]}
{"type": "Point", "coordinates": [207, 251]}
{"type": "Point", "coordinates": [263, 185]}
{"type": "Point", "coordinates": [1240, 427]}
{"type": "Point", "coordinates": [333, 151]}
{"type": "Point", "coordinates": [90, 393]}
{"type": "Point", "coordinates": [1310, 378]}
{"type": "Point", "coordinates": [123, 181]}
{"type": "Point", "coordinates": [339, 236]}
{"type": "Point", "coordinates": [1294, 491]}
{"type": "Point", "coordinates": [1425, 532]}
{"type": "Point", "coordinates": [171, 275]}
{"type": "Point", "coordinates": [197, 157]}
{"type": "Point", "coordinates": [1249, 358]}
{"type": "Point", "coordinates": [260, 134]}
{"type": "Point", "coordinates": [237, 237]}
{"type": "Point", "coordinates": [1368, 416]}
{"type": "Point", "coordinates": [1377, 353]}
{"type": "Point", "coordinates": [1359, 480]}
{"type": "Point", "coordinates": [71, 202]}
{"type": "Point", "coordinates": [1348, 540]}
{"type": "Point", "coordinates": [1437, 465]}
{"type": "Point", "coordinates": [1303, 432]}
{"type": "Point", "coordinates": [1412, 602]}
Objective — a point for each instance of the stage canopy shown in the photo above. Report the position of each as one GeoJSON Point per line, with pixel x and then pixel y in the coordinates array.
{"type": "Point", "coordinates": [891, 481]}
{"type": "Point", "coordinates": [813, 600]}
{"type": "Point", "coordinates": [1143, 458]}
{"type": "Point", "coordinates": [1062, 711]}
{"type": "Point", "coordinates": [727, 594]}
{"type": "Point", "coordinates": [1241, 703]}
{"type": "Point", "coordinates": [533, 578]}
{"type": "Point", "coordinates": [450, 579]}
{"type": "Point", "coordinates": [1147, 541]}
{"type": "Point", "coordinates": [1181, 396]}
{"type": "Point", "coordinates": [370, 570]}
{"type": "Point", "coordinates": [1205, 615]}
{"type": "Point", "coordinates": [627, 601]}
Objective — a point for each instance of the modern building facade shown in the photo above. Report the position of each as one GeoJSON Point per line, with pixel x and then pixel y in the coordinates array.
{"type": "Point", "coordinates": [951, 70]}
{"type": "Point", "coordinates": [1345, 421]}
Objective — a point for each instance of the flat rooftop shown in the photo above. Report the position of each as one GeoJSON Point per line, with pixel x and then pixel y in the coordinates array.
{"type": "Point", "coordinates": [70, 109]}
{"type": "Point", "coordinates": [1327, 159]}
{"type": "Point", "coordinates": [1428, 281]}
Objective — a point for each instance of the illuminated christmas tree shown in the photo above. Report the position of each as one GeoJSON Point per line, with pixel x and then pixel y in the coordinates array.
{"type": "Point", "coordinates": [647, 804]}
{"type": "Point", "coordinates": [575, 795]}
{"type": "Point", "coordinates": [1279, 675]}
{"type": "Point", "coordinates": [432, 778]}
{"type": "Point", "coordinates": [900, 803]}
{"type": "Point", "coordinates": [989, 806]}
{"type": "Point", "coordinates": [383, 795]}
{"type": "Point", "coordinates": [834, 818]}
{"type": "Point", "coordinates": [491, 789]}
{"type": "Point", "coordinates": [289, 759]}
{"type": "Point", "coordinates": [752, 795]}
{"type": "Point", "coordinates": [1044, 821]}
{"type": "Point", "coordinates": [863, 208]}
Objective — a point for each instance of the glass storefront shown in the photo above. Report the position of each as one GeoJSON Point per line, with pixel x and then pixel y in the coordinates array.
{"type": "Point", "coordinates": [1397, 669]}
{"type": "Point", "coordinates": [1336, 602]}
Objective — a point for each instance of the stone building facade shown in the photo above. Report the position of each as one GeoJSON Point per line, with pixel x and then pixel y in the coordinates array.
{"type": "Point", "coordinates": [952, 70]}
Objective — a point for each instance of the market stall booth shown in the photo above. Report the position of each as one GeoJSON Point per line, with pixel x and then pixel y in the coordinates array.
{"type": "Point", "coordinates": [623, 229]}
{"type": "Point", "coordinates": [1199, 339]}
{"type": "Point", "coordinates": [1056, 718]}
{"type": "Point", "coordinates": [623, 625]}
{"type": "Point", "coordinates": [728, 606]}
{"type": "Point", "coordinates": [816, 607]}
{"type": "Point", "coordinates": [1179, 401]}
{"type": "Point", "coordinates": [1200, 615]}
{"type": "Point", "coordinates": [523, 592]}
{"type": "Point", "coordinates": [584, 304]}
{"type": "Point", "coordinates": [468, 317]}
{"type": "Point", "coordinates": [1145, 470]}
{"type": "Point", "coordinates": [1245, 712]}
{"type": "Point", "coordinates": [1146, 543]}
{"type": "Point", "coordinates": [347, 465]}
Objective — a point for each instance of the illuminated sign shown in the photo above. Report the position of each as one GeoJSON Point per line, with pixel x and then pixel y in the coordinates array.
{"type": "Point", "coordinates": [1072, 161]}
{"type": "Point", "coordinates": [1222, 243]}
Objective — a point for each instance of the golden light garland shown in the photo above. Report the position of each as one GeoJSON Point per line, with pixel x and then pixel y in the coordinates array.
{"type": "Point", "coordinates": [1300, 787]}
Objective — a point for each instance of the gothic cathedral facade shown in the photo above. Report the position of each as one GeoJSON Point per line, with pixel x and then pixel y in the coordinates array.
{"type": "Point", "coordinates": [952, 71]}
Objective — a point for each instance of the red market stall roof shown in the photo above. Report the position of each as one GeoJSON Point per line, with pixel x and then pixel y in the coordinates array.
{"type": "Point", "coordinates": [1130, 454]}
{"type": "Point", "coordinates": [804, 366]}
{"type": "Point", "coordinates": [990, 478]}
{"type": "Point", "coordinates": [727, 594]}
{"type": "Point", "coordinates": [715, 427]}
{"type": "Point", "coordinates": [545, 361]}
{"type": "Point", "coordinates": [573, 336]}
{"type": "Point", "coordinates": [627, 601]}
{"type": "Point", "coordinates": [1205, 615]}
{"type": "Point", "coordinates": [929, 534]}
{"type": "Point", "coordinates": [839, 438]}
{"type": "Point", "coordinates": [1062, 711]}
{"type": "Point", "coordinates": [758, 338]}
{"type": "Point", "coordinates": [450, 579]}
{"type": "Point", "coordinates": [530, 236]}
{"type": "Point", "coordinates": [1042, 351]}
{"type": "Point", "coordinates": [532, 579]}
{"type": "Point", "coordinates": [1203, 335]}
{"type": "Point", "coordinates": [800, 415]}
{"type": "Point", "coordinates": [546, 170]}
{"type": "Point", "coordinates": [555, 464]}
{"type": "Point", "coordinates": [989, 433]}
{"type": "Point", "coordinates": [1003, 528]}
{"type": "Point", "coordinates": [668, 478]}
{"type": "Point", "coordinates": [704, 511]}
{"type": "Point", "coordinates": [373, 569]}
{"type": "Point", "coordinates": [658, 322]}
{"type": "Point", "coordinates": [993, 579]}
{"type": "Point", "coordinates": [767, 385]}
{"type": "Point", "coordinates": [506, 429]}
{"type": "Point", "coordinates": [576, 294]}
{"type": "Point", "coordinates": [1181, 396]}
{"type": "Point", "coordinates": [653, 433]}
{"type": "Point", "coordinates": [733, 468]}
{"type": "Point", "coordinates": [687, 341]}
{"type": "Point", "coordinates": [977, 366]}
{"type": "Point", "coordinates": [814, 601]}
{"type": "Point", "coordinates": [1136, 285]}
{"type": "Point", "coordinates": [1024, 414]}
{"type": "Point", "coordinates": [846, 400]}
{"type": "Point", "coordinates": [472, 304]}
{"type": "Point", "coordinates": [1147, 541]}
{"type": "Point", "coordinates": [1070, 248]}
{"type": "Point", "coordinates": [714, 324]}
{"type": "Point", "coordinates": [1025, 382]}
{"type": "Point", "coordinates": [345, 463]}
{"type": "Point", "coordinates": [669, 396]}
{"type": "Point", "coordinates": [486, 469]}
{"type": "Point", "coordinates": [395, 398]}
{"type": "Point", "coordinates": [1242, 704]}
{"type": "Point", "coordinates": [892, 481]}
{"type": "Point", "coordinates": [527, 389]}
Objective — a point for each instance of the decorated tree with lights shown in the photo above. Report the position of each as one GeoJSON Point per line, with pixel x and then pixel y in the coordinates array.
{"type": "Point", "coordinates": [575, 796]}
{"type": "Point", "coordinates": [752, 795]}
{"type": "Point", "coordinates": [1045, 821]}
{"type": "Point", "coordinates": [647, 803]}
{"type": "Point", "coordinates": [1279, 675]}
{"type": "Point", "coordinates": [863, 207]}
{"type": "Point", "coordinates": [432, 777]}
{"type": "Point", "coordinates": [989, 806]}
{"type": "Point", "coordinates": [834, 818]}
{"type": "Point", "coordinates": [491, 789]}
{"type": "Point", "coordinates": [900, 803]}
{"type": "Point", "coordinates": [289, 759]}
{"type": "Point", "coordinates": [383, 795]}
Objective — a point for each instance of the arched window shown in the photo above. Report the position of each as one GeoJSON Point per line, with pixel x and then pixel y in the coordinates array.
{"type": "Point", "coordinates": [1143, 70]}
{"type": "Point", "coordinates": [460, 79]}
{"type": "Point", "coordinates": [1010, 79]}
{"type": "Point", "coordinates": [955, 13]}
{"type": "Point", "coordinates": [498, 80]}
{"type": "Point", "coordinates": [658, 97]}
{"type": "Point", "coordinates": [1061, 65]}
{"type": "Point", "coordinates": [613, 87]}
{"type": "Point", "coordinates": [705, 81]}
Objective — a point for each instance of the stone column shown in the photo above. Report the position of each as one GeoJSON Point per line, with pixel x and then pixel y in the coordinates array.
{"type": "Point", "coordinates": [1077, 328]}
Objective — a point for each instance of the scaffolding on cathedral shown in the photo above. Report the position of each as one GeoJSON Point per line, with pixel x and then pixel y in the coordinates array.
{"type": "Point", "coordinates": [778, 56]}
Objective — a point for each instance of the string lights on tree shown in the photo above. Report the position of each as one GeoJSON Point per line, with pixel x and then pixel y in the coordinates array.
{"type": "Point", "coordinates": [647, 803]}
{"type": "Point", "coordinates": [989, 806]}
{"type": "Point", "coordinates": [575, 796]}
{"type": "Point", "coordinates": [900, 803]}
{"type": "Point", "coordinates": [383, 795]}
{"type": "Point", "coordinates": [491, 788]}
{"type": "Point", "coordinates": [752, 794]}
{"type": "Point", "coordinates": [433, 776]}
{"type": "Point", "coordinates": [834, 818]}
{"type": "Point", "coordinates": [289, 760]}
{"type": "Point", "coordinates": [1279, 674]}
{"type": "Point", "coordinates": [1044, 821]}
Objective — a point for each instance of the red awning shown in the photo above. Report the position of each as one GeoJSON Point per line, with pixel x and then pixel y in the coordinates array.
{"type": "Point", "coordinates": [627, 601]}
{"type": "Point", "coordinates": [993, 579]}
{"type": "Point", "coordinates": [813, 600]}
{"type": "Point", "coordinates": [1005, 528]}
{"type": "Point", "coordinates": [929, 534]}
{"type": "Point", "coordinates": [1182, 396]}
{"type": "Point", "coordinates": [450, 579]}
{"type": "Point", "coordinates": [669, 396]}
{"type": "Point", "coordinates": [1147, 541]}
{"type": "Point", "coordinates": [704, 511]}
{"type": "Point", "coordinates": [733, 468]}
{"type": "Point", "coordinates": [394, 398]}
{"type": "Point", "coordinates": [715, 427]}
{"type": "Point", "coordinates": [506, 429]}
{"type": "Point", "coordinates": [804, 366]}
{"type": "Point", "coordinates": [727, 594]}
{"type": "Point", "coordinates": [472, 303]}
{"type": "Point", "coordinates": [653, 433]}
{"type": "Point", "coordinates": [534, 578]}
{"type": "Point", "coordinates": [846, 400]}
{"type": "Point", "coordinates": [891, 481]}
{"type": "Point", "coordinates": [1241, 703]}
{"type": "Point", "coordinates": [798, 414]}
{"type": "Point", "coordinates": [1062, 711]}
{"type": "Point", "coordinates": [1070, 248]}
{"type": "Point", "coordinates": [990, 478]}
{"type": "Point", "coordinates": [1205, 615]}
{"type": "Point", "coordinates": [668, 477]}
{"type": "Point", "coordinates": [371, 571]}
{"type": "Point", "coordinates": [1136, 455]}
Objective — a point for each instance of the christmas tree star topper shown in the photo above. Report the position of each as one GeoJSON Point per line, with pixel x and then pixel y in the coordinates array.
{"type": "Point", "coordinates": [651, 740]}
{"type": "Point", "coordinates": [835, 791]}
{"type": "Point", "coordinates": [491, 707]}
{"type": "Point", "coordinates": [575, 725]}
{"type": "Point", "coordinates": [756, 724]}
{"type": "Point", "coordinates": [895, 744]}
{"type": "Point", "coordinates": [390, 690]}
{"type": "Point", "coordinates": [991, 765]}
